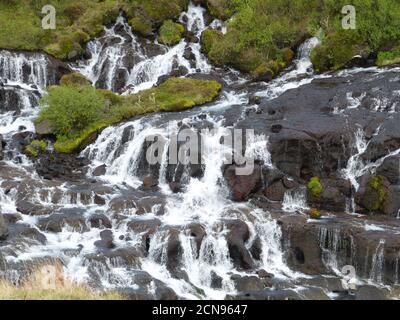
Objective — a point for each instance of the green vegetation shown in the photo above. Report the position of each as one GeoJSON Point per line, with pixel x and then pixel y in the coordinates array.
{"type": "Point", "coordinates": [315, 187]}
{"type": "Point", "coordinates": [377, 29]}
{"type": "Point", "coordinates": [376, 194]}
{"type": "Point", "coordinates": [261, 37]}
{"type": "Point", "coordinates": [222, 9]}
{"type": "Point", "coordinates": [77, 22]}
{"type": "Point", "coordinates": [170, 33]}
{"type": "Point", "coordinates": [146, 16]}
{"type": "Point", "coordinates": [388, 58]}
{"type": "Point", "coordinates": [315, 214]}
{"type": "Point", "coordinates": [261, 33]}
{"type": "Point", "coordinates": [78, 112]}
{"type": "Point", "coordinates": [35, 148]}
{"type": "Point", "coordinates": [74, 79]}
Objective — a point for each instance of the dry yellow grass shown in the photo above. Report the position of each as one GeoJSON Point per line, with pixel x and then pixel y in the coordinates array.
{"type": "Point", "coordinates": [48, 283]}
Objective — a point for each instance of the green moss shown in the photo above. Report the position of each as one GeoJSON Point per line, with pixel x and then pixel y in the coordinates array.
{"type": "Point", "coordinates": [35, 148]}
{"type": "Point", "coordinates": [315, 214]}
{"type": "Point", "coordinates": [376, 194]}
{"type": "Point", "coordinates": [79, 112]}
{"type": "Point", "coordinates": [74, 79]}
{"type": "Point", "coordinates": [145, 16]}
{"type": "Point", "coordinates": [377, 27]}
{"type": "Point", "coordinates": [387, 58]}
{"type": "Point", "coordinates": [141, 26]}
{"type": "Point", "coordinates": [77, 22]}
{"type": "Point", "coordinates": [333, 54]}
{"type": "Point", "coordinates": [315, 187]}
{"type": "Point", "coordinates": [222, 9]}
{"type": "Point", "coordinates": [170, 33]}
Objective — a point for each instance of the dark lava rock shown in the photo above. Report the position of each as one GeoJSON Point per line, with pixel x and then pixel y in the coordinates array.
{"type": "Point", "coordinates": [107, 240]}
{"type": "Point", "coordinates": [237, 236]}
{"type": "Point", "coordinates": [242, 186]}
{"type": "Point", "coordinates": [275, 191]}
{"type": "Point", "coordinates": [56, 221]}
{"type": "Point", "coordinates": [99, 221]}
{"type": "Point", "coordinates": [67, 167]}
{"type": "Point", "coordinates": [100, 170]}
{"type": "Point", "coordinates": [28, 208]}
{"type": "Point", "coordinates": [150, 182]}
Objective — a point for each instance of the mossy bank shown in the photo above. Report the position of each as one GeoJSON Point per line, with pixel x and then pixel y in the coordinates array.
{"type": "Point", "coordinates": [77, 22]}
{"type": "Point", "coordinates": [74, 111]}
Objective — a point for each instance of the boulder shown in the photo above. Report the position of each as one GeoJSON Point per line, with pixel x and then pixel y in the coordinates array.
{"type": "Point", "coordinates": [242, 186]}
{"type": "Point", "coordinates": [99, 221]}
{"type": "Point", "coordinates": [44, 128]}
{"type": "Point", "coordinates": [149, 182]}
{"type": "Point", "coordinates": [375, 194]}
{"type": "Point", "coordinates": [275, 191]}
{"type": "Point", "coordinates": [247, 283]}
{"type": "Point", "coordinates": [106, 240]}
{"type": "Point", "coordinates": [100, 170]}
{"type": "Point", "coordinates": [57, 221]}
{"type": "Point", "coordinates": [237, 236]}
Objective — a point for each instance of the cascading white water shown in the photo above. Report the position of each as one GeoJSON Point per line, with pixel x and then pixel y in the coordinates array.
{"type": "Point", "coordinates": [356, 167]}
{"type": "Point", "coordinates": [108, 60]}
{"type": "Point", "coordinates": [302, 73]}
{"type": "Point", "coordinates": [295, 200]}
{"type": "Point", "coordinates": [21, 68]}
{"type": "Point", "coordinates": [377, 263]}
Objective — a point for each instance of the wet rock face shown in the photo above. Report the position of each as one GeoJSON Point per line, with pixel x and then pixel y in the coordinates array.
{"type": "Point", "coordinates": [377, 195]}
{"type": "Point", "coordinates": [333, 197]}
{"type": "Point", "coordinates": [57, 221]}
{"type": "Point", "coordinates": [344, 240]}
{"type": "Point", "coordinates": [242, 186]}
{"type": "Point", "coordinates": [54, 166]}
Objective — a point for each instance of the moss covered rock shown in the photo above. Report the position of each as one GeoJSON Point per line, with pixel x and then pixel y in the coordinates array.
{"type": "Point", "coordinates": [315, 214]}
{"type": "Point", "coordinates": [373, 194]}
{"type": "Point", "coordinates": [221, 9]}
{"type": "Point", "coordinates": [170, 33]}
{"type": "Point", "coordinates": [35, 148]}
{"type": "Point", "coordinates": [77, 22]}
{"type": "Point", "coordinates": [74, 79]}
{"type": "Point", "coordinates": [314, 187]}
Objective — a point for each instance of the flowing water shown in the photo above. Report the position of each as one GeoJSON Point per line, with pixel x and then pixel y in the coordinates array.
{"type": "Point", "coordinates": [119, 61]}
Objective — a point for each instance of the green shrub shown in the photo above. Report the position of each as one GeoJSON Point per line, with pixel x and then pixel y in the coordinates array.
{"type": "Point", "coordinates": [170, 33]}
{"type": "Point", "coordinates": [71, 109]}
{"type": "Point", "coordinates": [315, 187]}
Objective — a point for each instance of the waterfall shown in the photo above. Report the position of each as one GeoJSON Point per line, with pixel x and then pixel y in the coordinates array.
{"type": "Point", "coordinates": [295, 200]}
{"type": "Point", "coordinates": [21, 68]}
{"type": "Point", "coordinates": [119, 56]}
{"type": "Point", "coordinates": [356, 167]}
{"type": "Point", "coordinates": [301, 74]}
{"type": "Point", "coordinates": [377, 263]}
